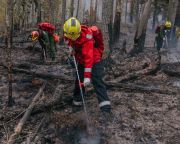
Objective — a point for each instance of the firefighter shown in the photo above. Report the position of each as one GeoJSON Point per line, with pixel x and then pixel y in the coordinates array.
{"type": "Point", "coordinates": [86, 43]}
{"type": "Point", "coordinates": [162, 31]}
{"type": "Point", "coordinates": [47, 39]}
{"type": "Point", "coordinates": [176, 35]}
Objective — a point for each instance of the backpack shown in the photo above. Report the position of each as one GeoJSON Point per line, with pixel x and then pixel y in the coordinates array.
{"type": "Point", "coordinates": [47, 27]}
{"type": "Point", "coordinates": [97, 35]}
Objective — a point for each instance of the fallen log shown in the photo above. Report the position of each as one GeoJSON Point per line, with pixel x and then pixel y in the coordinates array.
{"type": "Point", "coordinates": [55, 102]}
{"type": "Point", "coordinates": [21, 123]}
{"type": "Point", "coordinates": [41, 75]}
{"type": "Point", "coordinates": [172, 69]}
{"type": "Point", "coordinates": [139, 88]}
{"type": "Point", "coordinates": [137, 74]}
{"type": "Point", "coordinates": [172, 72]}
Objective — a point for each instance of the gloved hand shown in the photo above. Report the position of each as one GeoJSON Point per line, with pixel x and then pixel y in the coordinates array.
{"type": "Point", "coordinates": [70, 61]}
{"type": "Point", "coordinates": [71, 51]}
{"type": "Point", "coordinates": [87, 81]}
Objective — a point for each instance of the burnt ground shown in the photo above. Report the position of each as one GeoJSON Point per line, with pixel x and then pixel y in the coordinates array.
{"type": "Point", "coordinates": [145, 106]}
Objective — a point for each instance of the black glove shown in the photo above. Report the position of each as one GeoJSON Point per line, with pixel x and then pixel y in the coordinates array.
{"type": "Point", "coordinates": [70, 61]}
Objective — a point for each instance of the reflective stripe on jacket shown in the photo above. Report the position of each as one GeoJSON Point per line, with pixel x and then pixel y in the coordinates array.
{"type": "Point", "coordinates": [85, 52]}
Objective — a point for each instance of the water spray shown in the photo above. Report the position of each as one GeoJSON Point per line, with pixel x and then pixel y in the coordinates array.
{"type": "Point", "coordinates": [82, 95]}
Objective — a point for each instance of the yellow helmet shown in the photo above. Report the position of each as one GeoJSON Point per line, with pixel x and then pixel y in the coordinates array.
{"type": "Point", "coordinates": [167, 24]}
{"type": "Point", "coordinates": [34, 35]}
{"type": "Point", "coordinates": [72, 28]}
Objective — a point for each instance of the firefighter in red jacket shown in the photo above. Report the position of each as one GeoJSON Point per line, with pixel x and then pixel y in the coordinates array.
{"type": "Point", "coordinates": [87, 46]}
{"type": "Point", "coordinates": [47, 39]}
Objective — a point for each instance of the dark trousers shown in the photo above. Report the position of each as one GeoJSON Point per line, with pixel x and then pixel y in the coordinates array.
{"type": "Point", "coordinates": [159, 42]}
{"type": "Point", "coordinates": [99, 86]}
{"type": "Point", "coordinates": [47, 43]}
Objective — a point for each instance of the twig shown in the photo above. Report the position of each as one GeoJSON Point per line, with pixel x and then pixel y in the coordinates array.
{"type": "Point", "coordinates": [7, 135]}
{"type": "Point", "coordinates": [15, 117]}
{"type": "Point", "coordinates": [38, 128]}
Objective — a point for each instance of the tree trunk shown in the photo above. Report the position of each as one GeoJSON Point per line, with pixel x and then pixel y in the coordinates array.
{"type": "Point", "coordinates": [139, 39]}
{"type": "Point", "coordinates": [72, 8]}
{"type": "Point", "coordinates": [95, 17]}
{"type": "Point", "coordinates": [131, 10]}
{"type": "Point", "coordinates": [154, 15]}
{"type": "Point", "coordinates": [63, 14]}
{"type": "Point", "coordinates": [137, 10]}
{"type": "Point", "coordinates": [77, 9]}
{"type": "Point", "coordinates": [177, 19]}
{"type": "Point", "coordinates": [91, 13]}
{"type": "Point", "coordinates": [39, 12]}
{"type": "Point", "coordinates": [126, 11]}
{"type": "Point", "coordinates": [9, 24]}
{"type": "Point", "coordinates": [106, 18]}
{"type": "Point", "coordinates": [52, 11]}
{"type": "Point", "coordinates": [117, 22]}
{"type": "Point", "coordinates": [172, 9]}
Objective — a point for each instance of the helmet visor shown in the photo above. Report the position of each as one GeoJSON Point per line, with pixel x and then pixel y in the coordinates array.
{"type": "Point", "coordinates": [72, 36]}
{"type": "Point", "coordinates": [34, 37]}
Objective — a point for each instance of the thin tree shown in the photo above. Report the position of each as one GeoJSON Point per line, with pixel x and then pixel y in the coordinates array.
{"type": "Point", "coordinates": [39, 16]}
{"type": "Point", "coordinates": [72, 8]}
{"type": "Point", "coordinates": [132, 3]}
{"type": "Point", "coordinates": [140, 35]}
{"type": "Point", "coordinates": [52, 10]}
{"type": "Point", "coordinates": [117, 21]}
{"type": "Point", "coordinates": [106, 23]}
{"type": "Point", "coordinates": [177, 19]}
{"type": "Point", "coordinates": [126, 11]}
{"type": "Point", "coordinates": [63, 17]}
{"type": "Point", "coordinates": [63, 13]}
{"type": "Point", "coordinates": [91, 13]}
{"type": "Point", "coordinates": [95, 16]}
{"type": "Point", "coordinates": [154, 15]}
{"type": "Point", "coordinates": [137, 10]}
{"type": "Point", "coordinates": [172, 10]}
{"type": "Point", "coordinates": [9, 31]}
{"type": "Point", "coordinates": [77, 9]}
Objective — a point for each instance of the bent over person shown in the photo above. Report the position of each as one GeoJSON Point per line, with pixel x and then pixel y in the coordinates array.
{"type": "Point", "coordinates": [86, 43]}
{"type": "Point", "coordinates": [47, 39]}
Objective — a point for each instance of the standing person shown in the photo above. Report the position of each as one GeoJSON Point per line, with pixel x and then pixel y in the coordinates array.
{"type": "Point", "coordinates": [47, 39]}
{"type": "Point", "coordinates": [86, 43]}
{"type": "Point", "coordinates": [162, 31]}
{"type": "Point", "coordinates": [162, 38]}
{"type": "Point", "coordinates": [176, 35]}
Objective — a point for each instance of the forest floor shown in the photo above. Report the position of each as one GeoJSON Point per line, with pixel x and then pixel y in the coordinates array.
{"type": "Point", "coordinates": [145, 98]}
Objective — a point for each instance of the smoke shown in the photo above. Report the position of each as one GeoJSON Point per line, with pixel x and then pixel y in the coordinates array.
{"type": "Point", "coordinates": [85, 138]}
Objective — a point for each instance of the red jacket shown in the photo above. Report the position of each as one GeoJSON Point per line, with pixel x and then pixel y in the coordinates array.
{"type": "Point", "coordinates": [85, 51]}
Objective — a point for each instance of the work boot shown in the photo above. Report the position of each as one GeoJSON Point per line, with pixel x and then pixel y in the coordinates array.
{"type": "Point", "coordinates": [106, 108]}
{"type": "Point", "coordinates": [77, 106]}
